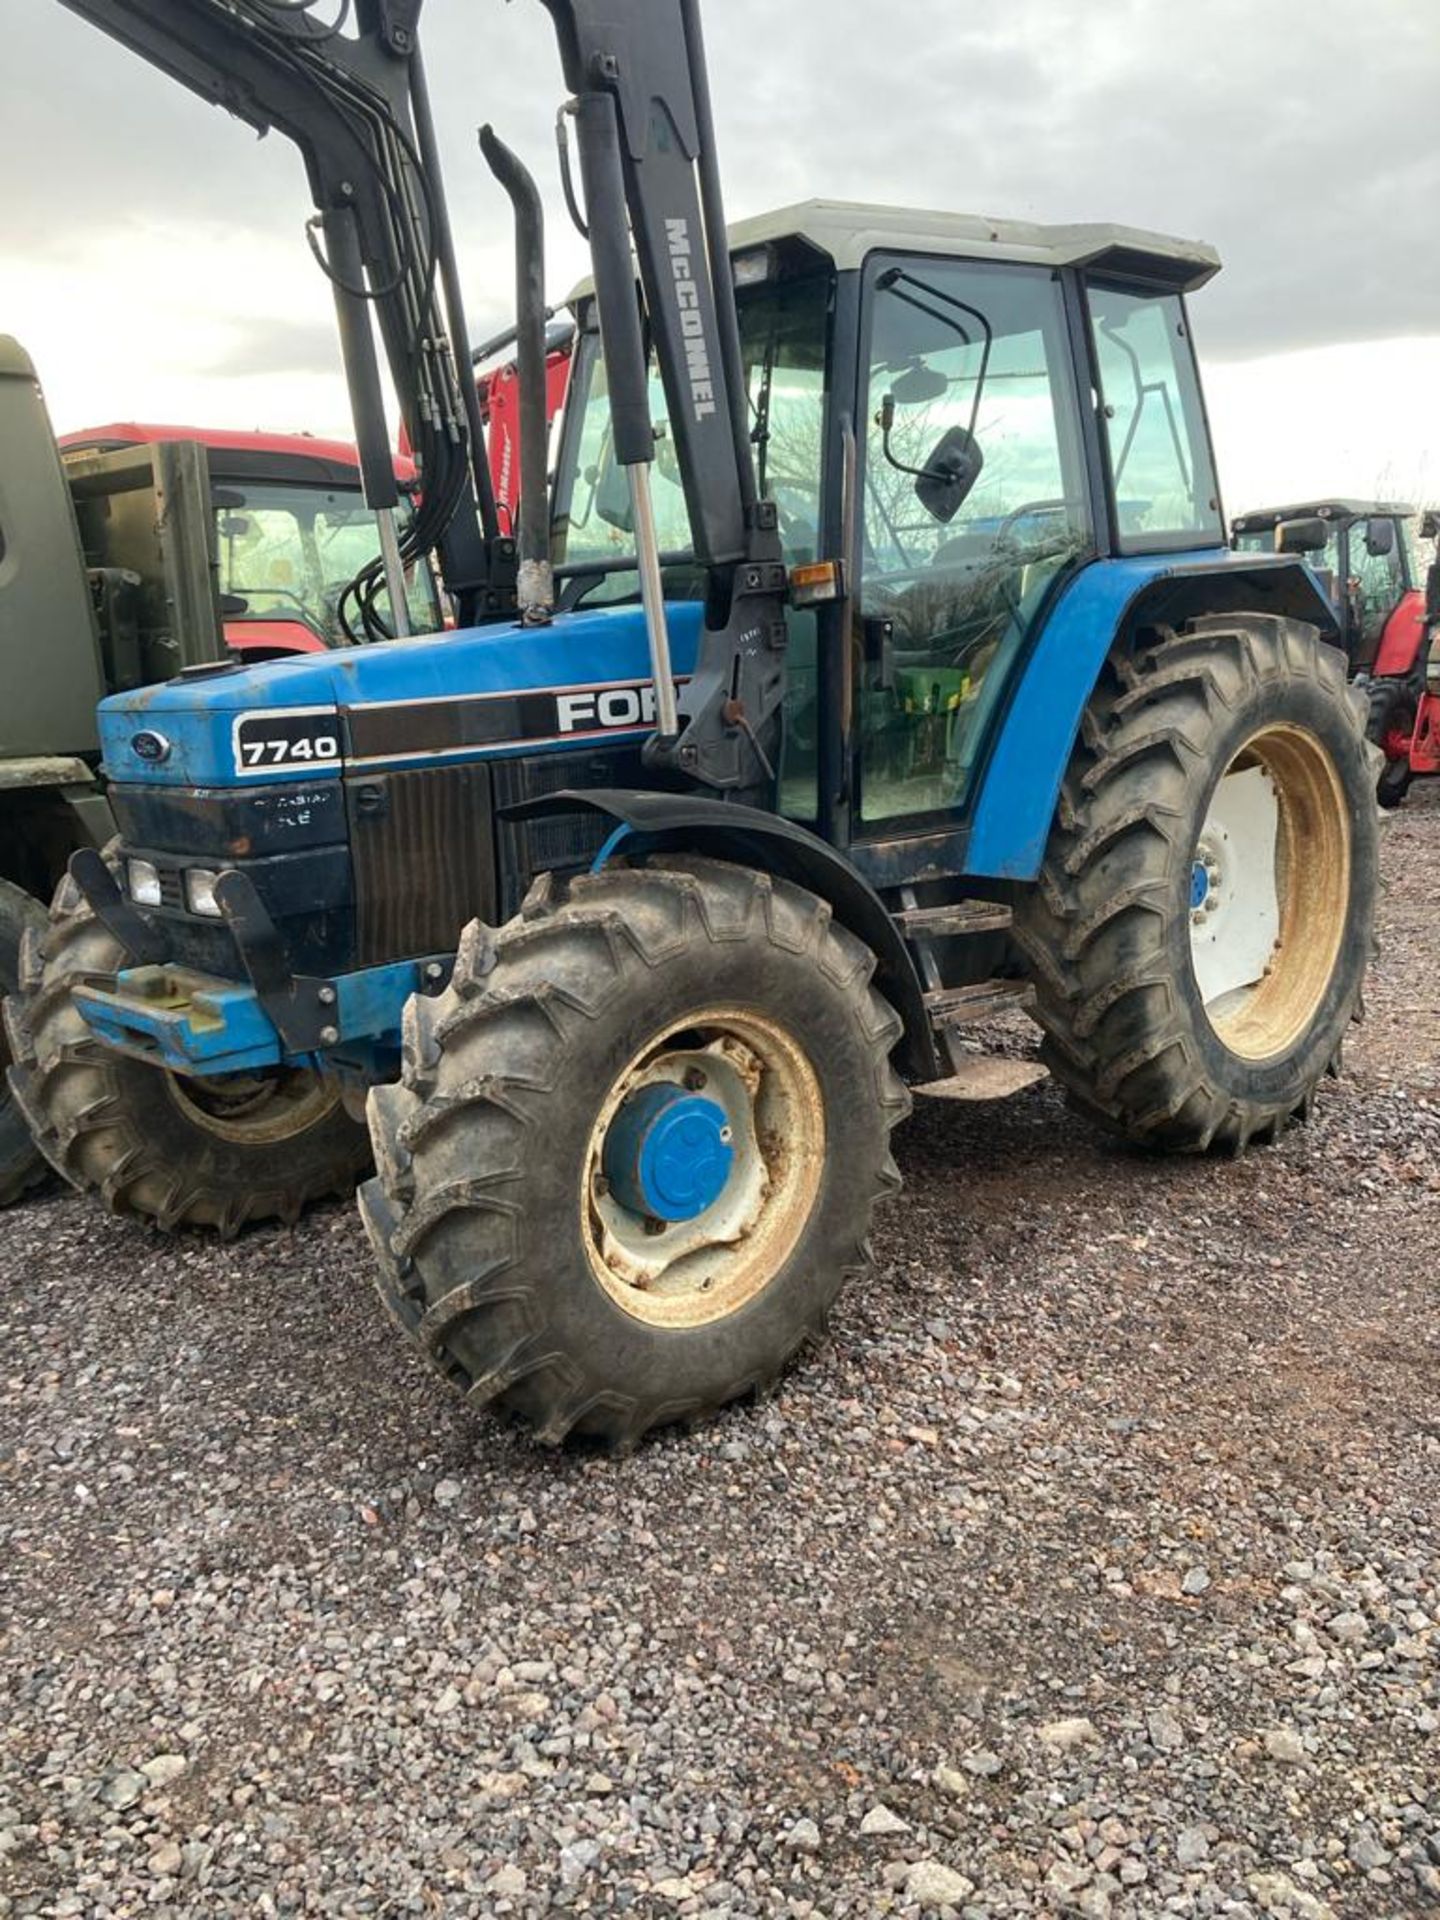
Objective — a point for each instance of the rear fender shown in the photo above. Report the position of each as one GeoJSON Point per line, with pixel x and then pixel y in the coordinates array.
{"type": "Point", "coordinates": [1105, 607]}
{"type": "Point", "coordinates": [659, 822]}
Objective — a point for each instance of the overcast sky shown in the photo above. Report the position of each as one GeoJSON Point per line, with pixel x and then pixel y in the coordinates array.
{"type": "Point", "coordinates": [152, 255]}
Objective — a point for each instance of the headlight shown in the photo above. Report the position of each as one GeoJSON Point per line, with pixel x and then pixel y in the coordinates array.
{"type": "Point", "coordinates": [200, 883]}
{"type": "Point", "coordinates": [144, 882]}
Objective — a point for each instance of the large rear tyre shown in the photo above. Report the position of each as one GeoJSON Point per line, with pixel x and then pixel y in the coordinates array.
{"type": "Point", "coordinates": [22, 1165]}
{"type": "Point", "coordinates": [1200, 933]}
{"type": "Point", "coordinates": [636, 1147]}
{"type": "Point", "coordinates": [169, 1150]}
{"type": "Point", "coordinates": [1390, 724]}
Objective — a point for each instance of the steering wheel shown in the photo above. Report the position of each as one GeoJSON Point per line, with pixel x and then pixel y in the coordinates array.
{"type": "Point", "coordinates": [1032, 509]}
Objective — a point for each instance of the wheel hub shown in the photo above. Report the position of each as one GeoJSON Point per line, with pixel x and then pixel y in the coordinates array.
{"type": "Point", "coordinates": [704, 1162]}
{"type": "Point", "coordinates": [669, 1153]}
{"type": "Point", "coordinates": [1205, 884]}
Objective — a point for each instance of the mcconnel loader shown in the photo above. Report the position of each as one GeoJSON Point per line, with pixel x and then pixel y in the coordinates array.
{"type": "Point", "coordinates": [877, 663]}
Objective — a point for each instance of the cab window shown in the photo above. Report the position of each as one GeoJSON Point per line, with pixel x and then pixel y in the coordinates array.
{"type": "Point", "coordinates": [784, 330]}
{"type": "Point", "coordinates": [975, 502]}
{"type": "Point", "coordinates": [1377, 575]}
{"type": "Point", "coordinates": [1161, 471]}
{"type": "Point", "coordinates": [291, 552]}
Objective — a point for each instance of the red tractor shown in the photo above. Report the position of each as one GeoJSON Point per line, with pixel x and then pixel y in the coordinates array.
{"type": "Point", "coordinates": [500, 408]}
{"type": "Point", "coordinates": [1364, 554]}
{"type": "Point", "coordinates": [292, 531]}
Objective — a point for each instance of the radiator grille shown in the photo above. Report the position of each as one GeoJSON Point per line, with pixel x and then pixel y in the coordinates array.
{"type": "Point", "coordinates": [424, 853]}
{"type": "Point", "coordinates": [564, 842]}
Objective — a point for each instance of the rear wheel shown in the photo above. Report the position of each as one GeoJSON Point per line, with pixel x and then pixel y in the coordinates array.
{"type": "Point", "coordinates": [1200, 934]}
{"type": "Point", "coordinates": [636, 1147]}
{"type": "Point", "coordinates": [1393, 709]}
{"type": "Point", "coordinates": [170, 1149]}
{"type": "Point", "coordinates": [22, 1165]}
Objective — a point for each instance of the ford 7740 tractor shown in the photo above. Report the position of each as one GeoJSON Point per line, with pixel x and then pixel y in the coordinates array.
{"type": "Point", "coordinates": [883, 665]}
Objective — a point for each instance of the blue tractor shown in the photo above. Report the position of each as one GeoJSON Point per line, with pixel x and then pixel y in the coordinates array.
{"type": "Point", "coordinates": [875, 664]}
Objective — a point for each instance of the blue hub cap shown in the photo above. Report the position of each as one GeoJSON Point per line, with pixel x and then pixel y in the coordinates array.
{"type": "Point", "coordinates": [1199, 886]}
{"type": "Point", "coordinates": [668, 1153]}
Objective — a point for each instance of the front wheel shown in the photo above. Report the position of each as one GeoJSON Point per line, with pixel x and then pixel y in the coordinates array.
{"type": "Point", "coordinates": [167, 1149]}
{"type": "Point", "coordinates": [1204, 919]}
{"type": "Point", "coordinates": [1393, 709]}
{"type": "Point", "coordinates": [22, 1166]}
{"type": "Point", "coordinates": [636, 1147]}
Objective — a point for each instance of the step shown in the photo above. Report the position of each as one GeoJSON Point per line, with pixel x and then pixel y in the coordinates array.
{"type": "Point", "coordinates": [983, 1000]}
{"type": "Point", "coordinates": [957, 918]}
{"type": "Point", "coordinates": [986, 1076]}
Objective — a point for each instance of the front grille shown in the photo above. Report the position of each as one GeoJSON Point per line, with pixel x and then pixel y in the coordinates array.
{"type": "Point", "coordinates": [172, 888]}
{"type": "Point", "coordinates": [563, 842]}
{"type": "Point", "coordinates": [424, 861]}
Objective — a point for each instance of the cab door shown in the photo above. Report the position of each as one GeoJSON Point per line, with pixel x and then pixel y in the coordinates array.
{"type": "Point", "coordinates": [974, 502]}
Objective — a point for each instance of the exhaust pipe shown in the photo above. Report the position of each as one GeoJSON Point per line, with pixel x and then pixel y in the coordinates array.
{"type": "Point", "coordinates": [536, 581]}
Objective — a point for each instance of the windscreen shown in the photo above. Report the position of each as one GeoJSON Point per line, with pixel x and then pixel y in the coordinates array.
{"type": "Point", "coordinates": [290, 553]}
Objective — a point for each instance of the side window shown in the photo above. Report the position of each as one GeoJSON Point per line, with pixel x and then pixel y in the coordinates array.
{"type": "Point", "coordinates": [1377, 579]}
{"type": "Point", "coordinates": [1160, 464]}
{"type": "Point", "coordinates": [783, 333]}
{"type": "Point", "coordinates": [974, 501]}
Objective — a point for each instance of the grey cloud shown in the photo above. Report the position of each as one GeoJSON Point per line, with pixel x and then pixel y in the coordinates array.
{"type": "Point", "coordinates": [1300, 139]}
{"type": "Point", "coordinates": [283, 347]}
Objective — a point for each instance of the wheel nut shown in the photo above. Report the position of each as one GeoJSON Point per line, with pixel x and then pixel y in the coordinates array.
{"type": "Point", "coordinates": [695, 1080]}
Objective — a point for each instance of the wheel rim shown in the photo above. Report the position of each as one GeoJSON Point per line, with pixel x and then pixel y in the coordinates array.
{"type": "Point", "coordinates": [1269, 892]}
{"type": "Point", "coordinates": [255, 1109]}
{"type": "Point", "coordinates": [718, 1124]}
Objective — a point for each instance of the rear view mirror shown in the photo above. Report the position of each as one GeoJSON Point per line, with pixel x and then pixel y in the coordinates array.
{"type": "Point", "coordinates": [1380, 538]}
{"type": "Point", "coordinates": [950, 474]}
{"type": "Point", "coordinates": [918, 385]}
{"type": "Point", "coordinates": [1301, 536]}
{"type": "Point", "coordinates": [1430, 525]}
{"type": "Point", "coordinates": [234, 526]}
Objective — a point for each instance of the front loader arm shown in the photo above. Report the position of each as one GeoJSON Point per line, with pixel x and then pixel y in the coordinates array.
{"type": "Point", "coordinates": [358, 110]}
{"type": "Point", "coordinates": [356, 105]}
{"type": "Point", "coordinates": [648, 157]}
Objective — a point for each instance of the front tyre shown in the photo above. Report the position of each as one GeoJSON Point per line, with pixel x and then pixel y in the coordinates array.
{"type": "Point", "coordinates": [161, 1147]}
{"type": "Point", "coordinates": [22, 1166]}
{"type": "Point", "coordinates": [1393, 710]}
{"type": "Point", "coordinates": [636, 1147]}
{"type": "Point", "coordinates": [1201, 929]}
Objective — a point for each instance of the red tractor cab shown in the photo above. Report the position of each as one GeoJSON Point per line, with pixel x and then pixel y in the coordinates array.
{"type": "Point", "coordinates": [292, 531]}
{"type": "Point", "coordinates": [1364, 554]}
{"type": "Point", "coordinates": [499, 389]}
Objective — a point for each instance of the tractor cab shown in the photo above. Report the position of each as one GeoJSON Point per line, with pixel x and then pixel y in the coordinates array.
{"type": "Point", "coordinates": [291, 532]}
{"type": "Point", "coordinates": [954, 417]}
{"type": "Point", "coordinates": [1364, 555]}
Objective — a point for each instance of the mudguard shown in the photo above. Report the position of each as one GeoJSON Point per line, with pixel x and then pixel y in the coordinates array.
{"type": "Point", "coordinates": [773, 845]}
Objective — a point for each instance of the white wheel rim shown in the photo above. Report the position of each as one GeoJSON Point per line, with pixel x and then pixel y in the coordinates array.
{"type": "Point", "coordinates": [693, 1272]}
{"type": "Point", "coordinates": [1270, 892]}
{"type": "Point", "coordinates": [1235, 890]}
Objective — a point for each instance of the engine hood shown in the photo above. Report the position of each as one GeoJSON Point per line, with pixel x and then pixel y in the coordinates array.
{"type": "Point", "coordinates": [452, 696]}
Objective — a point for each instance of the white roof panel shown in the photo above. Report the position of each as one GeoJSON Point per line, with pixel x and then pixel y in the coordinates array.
{"type": "Point", "coordinates": [849, 231]}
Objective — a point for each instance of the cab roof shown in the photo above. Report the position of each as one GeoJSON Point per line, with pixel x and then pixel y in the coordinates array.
{"type": "Point", "coordinates": [848, 231]}
{"type": "Point", "coordinates": [1263, 518]}
{"type": "Point", "coordinates": [334, 461]}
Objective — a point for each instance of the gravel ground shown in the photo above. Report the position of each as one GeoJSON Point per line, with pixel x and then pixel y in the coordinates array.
{"type": "Point", "coordinates": [1095, 1568]}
